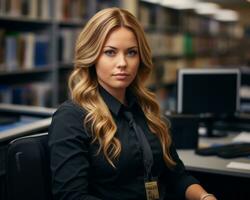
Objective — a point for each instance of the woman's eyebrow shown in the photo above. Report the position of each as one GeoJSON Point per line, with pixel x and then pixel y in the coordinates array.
{"type": "Point", "coordinates": [133, 47]}
{"type": "Point", "coordinates": [117, 48]}
{"type": "Point", "coordinates": [110, 47]}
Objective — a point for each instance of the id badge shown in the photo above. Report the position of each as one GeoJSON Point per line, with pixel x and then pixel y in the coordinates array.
{"type": "Point", "coordinates": [152, 190]}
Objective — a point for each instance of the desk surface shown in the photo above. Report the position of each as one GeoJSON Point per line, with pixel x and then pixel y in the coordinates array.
{"type": "Point", "coordinates": [25, 129]}
{"type": "Point", "coordinates": [38, 118]}
{"type": "Point", "coordinates": [212, 164]}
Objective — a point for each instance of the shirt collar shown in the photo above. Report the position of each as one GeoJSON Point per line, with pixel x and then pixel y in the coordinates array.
{"type": "Point", "coordinates": [113, 104]}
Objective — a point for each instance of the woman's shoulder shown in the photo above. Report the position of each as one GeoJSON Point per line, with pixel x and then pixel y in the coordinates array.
{"type": "Point", "coordinates": [68, 118]}
{"type": "Point", "coordinates": [70, 110]}
{"type": "Point", "coordinates": [72, 107]}
{"type": "Point", "coordinates": [68, 123]}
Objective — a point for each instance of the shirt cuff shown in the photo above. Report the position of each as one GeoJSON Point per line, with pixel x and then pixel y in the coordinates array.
{"type": "Point", "coordinates": [184, 183]}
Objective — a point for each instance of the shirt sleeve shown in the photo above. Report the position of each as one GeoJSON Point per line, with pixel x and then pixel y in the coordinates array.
{"type": "Point", "coordinates": [180, 179]}
{"type": "Point", "coordinates": [69, 155]}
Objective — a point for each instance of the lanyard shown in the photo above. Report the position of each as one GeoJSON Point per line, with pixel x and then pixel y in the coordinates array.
{"type": "Point", "coordinates": [151, 186]}
{"type": "Point", "coordinates": [146, 149]}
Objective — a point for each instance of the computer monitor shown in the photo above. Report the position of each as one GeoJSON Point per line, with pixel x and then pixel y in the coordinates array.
{"type": "Point", "coordinates": [208, 91]}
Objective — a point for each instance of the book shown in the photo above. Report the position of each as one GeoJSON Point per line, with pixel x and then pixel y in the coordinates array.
{"type": "Point", "coordinates": [29, 50]}
{"type": "Point", "coordinates": [11, 52]}
{"type": "Point", "coordinates": [44, 9]}
{"type": "Point", "coordinates": [41, 53]}
{"type": "Point", "coordinates": [2, 49]}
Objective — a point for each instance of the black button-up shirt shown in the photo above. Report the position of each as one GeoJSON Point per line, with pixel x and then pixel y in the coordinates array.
{"type": "Point", "coordinates": [78, 172]}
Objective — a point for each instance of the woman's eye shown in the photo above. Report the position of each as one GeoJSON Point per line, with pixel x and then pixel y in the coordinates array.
{"type": "Point", "coordinates": [132, 53]}
{"type": "Point", "coordinates": [109, 52]}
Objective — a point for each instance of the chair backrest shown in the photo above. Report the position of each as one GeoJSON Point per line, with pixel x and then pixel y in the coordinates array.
{"type": "Point", "coordinates": [27, 170]}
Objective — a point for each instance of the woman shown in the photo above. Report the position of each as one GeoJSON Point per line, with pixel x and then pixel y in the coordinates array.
{"type": "Point", "coordinates": [95, 151]}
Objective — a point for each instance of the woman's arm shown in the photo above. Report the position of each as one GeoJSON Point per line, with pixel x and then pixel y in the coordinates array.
{"type": "Point", "coordinates": [69, 155]}
{"type": "Point", "coordinates": [185, 185]}
{"type": "Point", "coordinates": [196, 192]}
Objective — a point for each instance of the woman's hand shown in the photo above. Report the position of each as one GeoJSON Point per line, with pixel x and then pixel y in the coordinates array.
{"type": "Point", "coordinates": [208, 196]}
{"type": "Point", "coordinates": [196, 192]}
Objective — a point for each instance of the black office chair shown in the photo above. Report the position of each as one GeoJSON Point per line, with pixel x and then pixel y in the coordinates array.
{"type": "Point", "coordinates": [27, 170]}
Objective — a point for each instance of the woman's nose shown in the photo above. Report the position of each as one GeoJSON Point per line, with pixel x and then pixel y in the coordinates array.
{"type": "Point", "coordinates": [121, 61]}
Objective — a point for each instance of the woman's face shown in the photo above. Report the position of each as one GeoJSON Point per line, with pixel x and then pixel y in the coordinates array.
{"type": "Point", "coordinates": [118, 62]}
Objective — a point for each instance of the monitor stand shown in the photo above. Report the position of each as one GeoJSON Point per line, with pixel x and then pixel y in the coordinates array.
{"type": "Point", "coordinates": [210, 132]}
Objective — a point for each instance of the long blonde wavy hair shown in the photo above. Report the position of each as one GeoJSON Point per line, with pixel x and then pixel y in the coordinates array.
{"type": "Point", "coordinates": [83, 83]}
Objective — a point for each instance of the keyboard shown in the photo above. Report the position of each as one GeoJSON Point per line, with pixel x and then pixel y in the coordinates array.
{"type": "Point", "coordinates": [232, 150]}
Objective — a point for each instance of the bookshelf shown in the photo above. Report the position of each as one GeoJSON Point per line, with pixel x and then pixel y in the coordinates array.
{"type": "Point", "coordinates": [36, 44]}
{"type": "Point", "coordinates": [183, 38]}
{"type": "Point", "coordinates": [25, 64]}
{"type": "Point", "coordinates": [37, 39]}
{"type": "Point", "coordinates": [178, 38]}
{"type": "Point", "coordinates": [186, 39]}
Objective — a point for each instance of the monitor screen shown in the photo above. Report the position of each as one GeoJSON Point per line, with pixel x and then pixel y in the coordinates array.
{"type": "Point", "coordinates": [208, 91]}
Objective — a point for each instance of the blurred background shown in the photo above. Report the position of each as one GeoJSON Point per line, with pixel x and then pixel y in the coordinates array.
{"type": "Point", "coordinates": [201, 50]}
{"type": "Point", "coordinates": [37, 40]}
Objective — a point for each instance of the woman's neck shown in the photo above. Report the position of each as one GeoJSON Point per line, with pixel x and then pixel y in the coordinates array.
{"type": "Point", "coordinates": [119, 94]}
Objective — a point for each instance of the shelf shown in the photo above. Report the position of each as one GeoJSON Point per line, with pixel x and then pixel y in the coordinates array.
{"type": "Point", "coordinates": [66, 66]}
{"type": "Point", "coordinates": [24, 76]}
{"type": "Point", "coordinates": [204, 54]}
{"type": "Point", "coordinates": [23, 23]}
{"type": "Point", "coordinates": [168, 29]}
{"type": "Point", "coordinates": [25, 19]}
{"type": "Point", "coordinates": [72, 23]}
{"type": "Point", "coordinates": [211, 35]}
{"type": "Point", "coordinates": [167, 57]}
{"type": "Point", "coordinates": [26, 71]}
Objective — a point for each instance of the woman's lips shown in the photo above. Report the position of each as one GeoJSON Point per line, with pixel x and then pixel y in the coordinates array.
{"type": "Point", "coordinates": [121, 76]}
